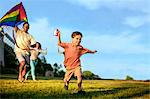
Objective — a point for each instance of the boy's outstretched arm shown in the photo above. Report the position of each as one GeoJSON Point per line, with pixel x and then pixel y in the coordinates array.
{"type": "Point", "coordinates": [85, 50]}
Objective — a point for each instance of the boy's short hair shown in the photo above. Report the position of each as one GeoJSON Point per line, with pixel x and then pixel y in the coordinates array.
{"type": "Point", "coordinates": [76, 33]}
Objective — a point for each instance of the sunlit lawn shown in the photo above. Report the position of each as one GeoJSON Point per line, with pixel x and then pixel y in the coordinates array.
{"type": "Point", "coordinates": [11, 88]}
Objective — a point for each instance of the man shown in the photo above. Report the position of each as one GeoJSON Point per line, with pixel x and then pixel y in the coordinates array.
{"type": "Point", "coordinates": [23, 41]}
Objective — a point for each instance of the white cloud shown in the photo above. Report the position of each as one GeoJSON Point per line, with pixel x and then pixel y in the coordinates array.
{"type": "Point", "coordinates": [115, 67]}
{"type": "Point", "coordinates": [123, 44]}
{"type": "Point", "coordinates": [42, 31]}
{"type": "Point", "coordinates": [140, 5]}
{"type": "Point", "coordinates": [136, 21]}
{"type": "Point", "coordinates": [89, 4]}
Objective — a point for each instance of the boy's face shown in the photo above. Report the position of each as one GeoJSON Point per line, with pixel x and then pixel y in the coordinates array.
{"type": "Point", "coordinates": [76, 40]}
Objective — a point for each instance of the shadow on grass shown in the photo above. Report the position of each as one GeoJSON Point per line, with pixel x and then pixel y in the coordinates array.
{"type": "Point", "coordinates": [100, 93]}
{"type": "Point", "coordinates": [89, 94]}
{"type": "Point", "coordinates": [106, 93]}
{"type": "Point", "coordinates": [137, 94]}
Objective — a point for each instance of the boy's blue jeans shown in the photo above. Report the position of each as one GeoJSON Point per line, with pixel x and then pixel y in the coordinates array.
{"type": "Point", "coordinates": [33, 63]}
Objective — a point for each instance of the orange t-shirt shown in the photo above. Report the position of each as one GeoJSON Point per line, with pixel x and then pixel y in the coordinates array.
{"type": "Point", "coordinates": [72, 55]}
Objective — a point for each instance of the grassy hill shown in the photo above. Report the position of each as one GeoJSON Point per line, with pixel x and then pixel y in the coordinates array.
{"type": "Point", "coordinates": [11, 88]}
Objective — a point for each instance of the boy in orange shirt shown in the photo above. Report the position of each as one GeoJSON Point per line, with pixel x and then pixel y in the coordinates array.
{"type": "Point", "coordinates": [73, 52]}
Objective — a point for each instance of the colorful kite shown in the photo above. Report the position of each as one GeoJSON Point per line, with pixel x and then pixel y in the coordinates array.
{"type": "Point", "coordinates": [16, 15]}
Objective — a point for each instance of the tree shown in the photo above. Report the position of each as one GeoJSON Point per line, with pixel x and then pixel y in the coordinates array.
{"type": "Point", "coordinates": [129, 77]}
{"type": "Point", "coordinates": [43, 59]}
{"type": "Point", "coordinates": [61, 73]}
{"type": "Point", "coordinates": [57, 69]}
{"type": "Point", "coordinates": [45, 68]}
{"type": "Point", "coordinates": [88, 75]}
{"type": "Point", "coordinates": [42, 66]}
{"type": "Point", "coordinates": [10, 58]}
{"type": "Point", "coordinates": [11, 62]}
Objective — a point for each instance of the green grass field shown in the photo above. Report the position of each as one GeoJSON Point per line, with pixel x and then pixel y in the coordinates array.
{"type": "Point", "coordinates": [50, 89]}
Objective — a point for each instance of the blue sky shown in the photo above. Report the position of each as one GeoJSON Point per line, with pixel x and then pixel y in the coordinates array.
{"type": "Point", "coordinates": [117, 29]}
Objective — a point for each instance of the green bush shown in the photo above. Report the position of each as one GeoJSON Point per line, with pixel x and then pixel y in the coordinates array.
{"type": "Point", "coordinates": [8, 71]}
{"type": "Point", "coordinates": [129, 77]}
{"type": "Point", "coordinates": [88, 75]}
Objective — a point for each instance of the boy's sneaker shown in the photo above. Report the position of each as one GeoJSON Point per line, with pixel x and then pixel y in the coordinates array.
{"type": "Point", "coordinates": [66, 87]}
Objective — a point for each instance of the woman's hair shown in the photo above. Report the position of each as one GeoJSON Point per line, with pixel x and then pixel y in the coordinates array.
{"type": "Point", "coordinates": [25, 23]}
{"type": "Point", "coordinates": [76, 33]}
{"type": "Point", "coordinates": [39, 45]}
{"type": "Point", "coordinates": [34, 45]}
